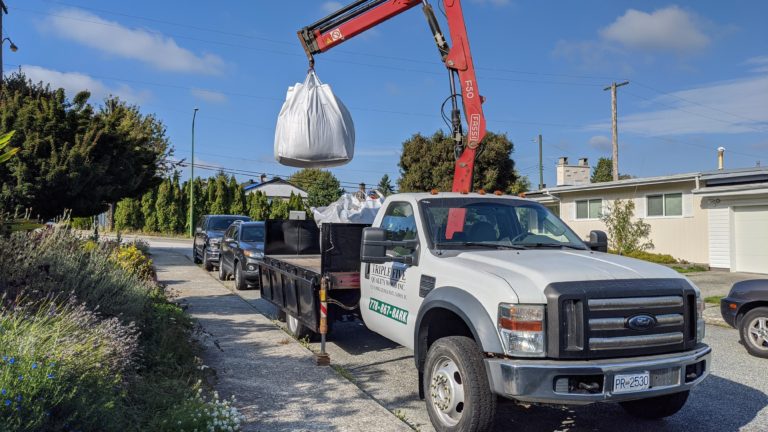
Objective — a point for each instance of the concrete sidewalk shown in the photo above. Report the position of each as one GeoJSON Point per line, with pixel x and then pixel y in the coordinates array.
{"type": "Point", "coordinates": [275, 380]}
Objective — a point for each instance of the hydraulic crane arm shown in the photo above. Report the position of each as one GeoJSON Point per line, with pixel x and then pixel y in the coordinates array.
{"type": "Point", "coordinates": [361, 15]}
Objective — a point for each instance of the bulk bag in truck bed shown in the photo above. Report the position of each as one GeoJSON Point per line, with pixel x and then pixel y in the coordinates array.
{"type": "Point", "coordinates": [314, 129]}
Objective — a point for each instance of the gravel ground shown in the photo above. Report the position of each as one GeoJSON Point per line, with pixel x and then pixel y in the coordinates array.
{"type": "Point", "coordinates": [733, 398]}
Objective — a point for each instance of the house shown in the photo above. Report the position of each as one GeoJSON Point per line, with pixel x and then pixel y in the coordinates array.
{"type": "Point", "coordinates": [718, 218]}
{"type": "Point", "coordinates": [274, 188]}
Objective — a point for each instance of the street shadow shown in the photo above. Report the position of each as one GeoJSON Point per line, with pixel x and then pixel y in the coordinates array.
{"type": "Point", "coordinates": [717, 404]}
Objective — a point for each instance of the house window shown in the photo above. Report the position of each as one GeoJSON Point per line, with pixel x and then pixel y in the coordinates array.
{"type": "Point", "coordinates": [665, 204]}
{"type": "Point", "coordinates": [589, 209]}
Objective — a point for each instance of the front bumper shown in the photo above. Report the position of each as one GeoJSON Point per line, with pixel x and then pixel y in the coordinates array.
{"type": "Point", "coordinates": [730, 313]}
{"type": "Point", "coordinates": [212, 255]}
{"type": "Point", "coordinates": [251, 270]}
{"type": "Point", "coordinates": [542, 380]}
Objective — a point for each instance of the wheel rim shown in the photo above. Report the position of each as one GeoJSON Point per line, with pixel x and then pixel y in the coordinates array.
{"type": "Point", "coordinates": [758, 333]}
{"type": "Point", "coordinates": [221, 271]}
{"type": "Point", "coordinates": [447, 391]}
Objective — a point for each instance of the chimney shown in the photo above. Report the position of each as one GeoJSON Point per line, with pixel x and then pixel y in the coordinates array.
{"type": "Point", "coordinates": [263, 178]}
{"type": "Point", "coordinates": [720, 157]}
{"type": "Point", "coordinates": [569, 175]}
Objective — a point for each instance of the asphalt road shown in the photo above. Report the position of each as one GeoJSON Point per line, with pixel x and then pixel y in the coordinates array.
{"type": "Point", "coordinates": [734, 397]}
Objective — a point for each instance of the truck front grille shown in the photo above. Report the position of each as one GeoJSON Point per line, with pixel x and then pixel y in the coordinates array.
{"type": "Point", "coordinates": [602, 319]}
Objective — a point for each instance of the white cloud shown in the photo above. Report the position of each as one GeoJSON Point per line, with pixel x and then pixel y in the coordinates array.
{"type": "Point", "coordinates": [74, 82]}
{"type": "Point", "coordinates": [729, 107]}
{"type": "Point", "coordinates": [331, 6]}
{"type": "Point", "coordinates": [209, 95]}
{"type": "Point", "coordinates": [155, 49]}
{"type": "Point", "coordinates": [760, 63]}
{"type": "Point", "coordinates": [668, 29]}
{"type": "Point", "coordinates": [600, 142]}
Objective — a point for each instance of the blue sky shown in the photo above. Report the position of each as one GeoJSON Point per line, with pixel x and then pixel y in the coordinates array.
{"type": "Point", "coordinates": [698, 75]}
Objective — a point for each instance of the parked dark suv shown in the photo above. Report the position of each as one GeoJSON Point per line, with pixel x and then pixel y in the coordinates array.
{"type": "Point", "coordinates": [241, 250]}
{"type": "Point", "coordinates": [746, 308]}
{"type": "Point", "coordinates": [210, 229]}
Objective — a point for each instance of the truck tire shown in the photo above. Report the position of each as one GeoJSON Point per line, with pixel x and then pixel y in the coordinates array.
{"type": "Point", "coordinates": [207, 265]}
{"type": "Point", "coordinates": [753, 329]}
{"type": "Point", "coordinates": [222, 274]}
{"type": "Point", "coordinates": [195, 259]}
{"type": "Point", "coordinates": [240, 283]}
{"type": "Point", "coordinates": [656, 407]}
{"type": "Point", "coordinates": [297, 329]}
{"type": "Point", "coordinates": [458, 394]}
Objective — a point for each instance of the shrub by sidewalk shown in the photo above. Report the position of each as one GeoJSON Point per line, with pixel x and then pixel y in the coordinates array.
{"type": "Point", "coordinates": [88, 341]}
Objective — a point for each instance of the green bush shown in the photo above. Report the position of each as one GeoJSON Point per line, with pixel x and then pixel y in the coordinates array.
{"type": "Point", "coordinates": [133, 260]}
{"type": "Point", "coordinates": [82, 223]}
{"type": "Point", "coordinates": [651, 257]}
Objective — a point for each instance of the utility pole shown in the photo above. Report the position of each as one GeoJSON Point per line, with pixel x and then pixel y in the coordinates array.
{"type": "Point", "coordinates": [615, 128]}
{"type": "Point", "coordinates": [191, 180]}
{"type": "Point", "coordinates": [541, 165]}
{"type": "Point", "coordinates": [3, 11]}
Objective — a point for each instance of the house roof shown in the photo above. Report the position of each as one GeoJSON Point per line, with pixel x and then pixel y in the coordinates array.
{"type": "Point", "coordinates": [275, 180]}
{"type": "Point", "coordinates": [726, 176]}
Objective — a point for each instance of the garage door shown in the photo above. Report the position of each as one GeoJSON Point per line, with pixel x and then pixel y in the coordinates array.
{"type": "Point", "coordinates": [750, 252]}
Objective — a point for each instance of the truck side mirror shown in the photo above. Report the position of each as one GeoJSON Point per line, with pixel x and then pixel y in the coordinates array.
{"type": "Point", "coordinates": [373, 249]}
{"type": "Point", "coordinates": [199, 230]}
{"type": "Point", "coordinates": [598, 241]}
{"type": "Point", "coordinates": [374, 246]}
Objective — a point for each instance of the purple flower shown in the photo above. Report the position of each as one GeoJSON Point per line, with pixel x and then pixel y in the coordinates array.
{"type": "Point", "coordinates": [7, 402]}
{"type": "Point", "coordinates": [12, 360]}
{"type": "Point", "coordinates": [18, 398]}
{"type": "Point", "coordinates": [21, 377]}
{"type": "Point", "coordinates": [3, 392]}
{"type": "Point", "coordinates": [51, 376]}
{"type": "Point", "coordinates": [34, 365]}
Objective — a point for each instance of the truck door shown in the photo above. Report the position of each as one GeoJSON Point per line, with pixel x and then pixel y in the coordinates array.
{"type": "Point", "coordinates": [389, 298]}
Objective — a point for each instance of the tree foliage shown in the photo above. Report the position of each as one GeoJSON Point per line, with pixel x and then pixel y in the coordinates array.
{"type": "Point", "coordinates": [72, 155]}
{"type": "Point", "coordinates": [258, 206]}
{"type": "Point", "coordinates": [428, 163]}
{"type": "Point", "coordinates": [603, 171]}
{"type": "Point", "coordinates": [322, 186]}
{"type": "Point", "coordinates": [625, 235]}
{"type": "Point", "coordinates": [385, 186]}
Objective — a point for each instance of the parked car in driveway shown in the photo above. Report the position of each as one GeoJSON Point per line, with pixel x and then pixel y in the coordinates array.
{"type": "Point", "coordinates": [746, 308]}
{"type": "Point", "coordinates": [241, 251]}
{"type": "Point", "coordinates": [208, 233]}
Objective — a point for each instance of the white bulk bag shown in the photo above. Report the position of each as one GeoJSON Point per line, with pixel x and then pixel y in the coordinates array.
{"type": "Point", "coordinates": [314, 129]}
{"type": "Point", "coordinates": [350, 208]}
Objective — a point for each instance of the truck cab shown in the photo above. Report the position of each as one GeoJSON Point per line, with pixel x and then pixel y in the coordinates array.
{"type": "Point", "coordinates": [496, 295]}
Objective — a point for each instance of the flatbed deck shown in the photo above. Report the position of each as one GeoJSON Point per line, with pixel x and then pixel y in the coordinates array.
{"type": "Point", "coordinates": [307, 262]}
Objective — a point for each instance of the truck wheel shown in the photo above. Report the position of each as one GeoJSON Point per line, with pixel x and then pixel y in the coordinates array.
{"type": "Point", "coordinates": [656, 407]}
{"type": "Point", "coordinates": [222, 274]}
{"type": "Point", "coordinates": [297, 329]}
{"type": "Point", "coordinates": [458, 395]}
{"type": "Point", "coordinates": [207, 264]}
{"type": "Point", "coordinates": [240, 283]}
{"type": "Point", "coordinates": [753, 329]}
{"type": "Point", "coordinates": [195, 259]}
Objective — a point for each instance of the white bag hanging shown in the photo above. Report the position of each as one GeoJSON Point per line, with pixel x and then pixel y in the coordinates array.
{"type": "Point", "coordinates": [314, 129]}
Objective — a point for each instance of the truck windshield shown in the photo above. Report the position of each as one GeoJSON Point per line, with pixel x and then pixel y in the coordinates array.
{"type": "Point", "coordinates": [222, 223]}
{"type": "Point", "coordinates": [493, 222]}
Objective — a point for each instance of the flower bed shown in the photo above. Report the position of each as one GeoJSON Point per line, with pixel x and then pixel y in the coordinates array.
{"type": "Point", "coordinates": [89, 342]}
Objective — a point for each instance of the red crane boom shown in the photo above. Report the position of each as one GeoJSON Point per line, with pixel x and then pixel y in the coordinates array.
{"type": "Point", "coordinates": [361, 15]}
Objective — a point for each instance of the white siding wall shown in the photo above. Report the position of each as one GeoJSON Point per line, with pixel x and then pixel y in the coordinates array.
{"type": "Point", "coordinates": [719, 237]}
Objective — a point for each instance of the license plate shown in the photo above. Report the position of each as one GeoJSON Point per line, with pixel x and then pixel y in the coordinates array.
{"type": "Point", "coordinates": [626, 383]}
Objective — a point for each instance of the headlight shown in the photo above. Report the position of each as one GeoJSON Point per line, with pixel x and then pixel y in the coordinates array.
{"type": "Point", "coordinates": [522, 329]}
{"type": "Point", "coordinates": [253, 254]}
{"type": "Point", "coordinates": [700, 325]}
{"type": "Point", "coordinates": [214, 243]}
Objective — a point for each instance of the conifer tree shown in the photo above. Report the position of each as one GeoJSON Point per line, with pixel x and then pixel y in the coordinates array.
{"type": "Point", "coordinates": [148, 210]}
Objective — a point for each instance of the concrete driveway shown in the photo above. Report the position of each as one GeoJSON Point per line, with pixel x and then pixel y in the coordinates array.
{"type": "Point", "coordinates": [718, 283]}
